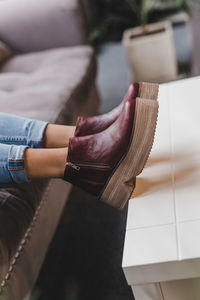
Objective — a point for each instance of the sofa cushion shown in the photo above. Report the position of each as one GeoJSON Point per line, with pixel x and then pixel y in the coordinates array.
{"type": "Point", "coordinates": [40, 85]}
{"type": "Point", "coordinates": [34, 25]}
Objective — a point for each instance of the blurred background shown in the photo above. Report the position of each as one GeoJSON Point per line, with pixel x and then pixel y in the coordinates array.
{"type": "Point", "coordinates": [111, 18]}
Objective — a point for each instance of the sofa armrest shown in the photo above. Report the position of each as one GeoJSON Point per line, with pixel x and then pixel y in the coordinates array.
{"type": "Point", "coordinates": [33, 25]}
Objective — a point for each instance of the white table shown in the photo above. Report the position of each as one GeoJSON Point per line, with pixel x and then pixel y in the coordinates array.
{"type": "Point", "coordinates": [161, 259]}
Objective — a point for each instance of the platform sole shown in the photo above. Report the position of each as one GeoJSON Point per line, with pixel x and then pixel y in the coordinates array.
{"type": "Point", "coordinates": [122, 182]}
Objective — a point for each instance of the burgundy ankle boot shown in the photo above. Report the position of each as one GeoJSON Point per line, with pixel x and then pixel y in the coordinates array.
{"type": "Point", "coordinates": [95, 124]}
{"type": "Point", "coordinates": [106, 164]}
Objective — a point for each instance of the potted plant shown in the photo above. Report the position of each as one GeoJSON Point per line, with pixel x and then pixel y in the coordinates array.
{"type": "Point", "coordinates": [151, 52]}
{"type": "Point", "coordinates": [149, 48]}
{"type": "Point", "coordinates": [111, 17]}
{"type": "Point", "coordinates": [116, 16]}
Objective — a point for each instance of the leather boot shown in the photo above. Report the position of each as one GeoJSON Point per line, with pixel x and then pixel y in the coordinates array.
{"type": "Point", "coordinates": [106, 164]}
{"type": "Point", "coordinates": [95, 124]}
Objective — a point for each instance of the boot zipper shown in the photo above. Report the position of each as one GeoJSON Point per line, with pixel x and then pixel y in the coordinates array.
{"type": "Point", "coordinates": [78, 166]}
{"type": "Point", "coordinates": [73, 166]}
{"type": "Point", "coordinates": [94, 166]}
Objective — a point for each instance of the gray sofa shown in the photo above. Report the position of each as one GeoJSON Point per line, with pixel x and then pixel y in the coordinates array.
{"type": "Point", "coordinates": [50, 77]}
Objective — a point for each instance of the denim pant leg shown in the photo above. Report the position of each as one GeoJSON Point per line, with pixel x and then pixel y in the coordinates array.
{"type": "Point", "coordinates": [12, 164]}
{"type": "Point", "coordinates": [21, 131]}
{"type": "Point", "coordinates": [17, 134]}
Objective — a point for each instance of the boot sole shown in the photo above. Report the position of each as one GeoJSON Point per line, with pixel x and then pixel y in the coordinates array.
{"type": "Point", "coordinates": [122, 182]}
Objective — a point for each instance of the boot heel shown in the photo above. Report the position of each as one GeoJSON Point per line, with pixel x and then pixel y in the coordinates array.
{"type": "Point", "coordinates": [148, 90]}
{"type": "Point", "coordinates": [122, 182]}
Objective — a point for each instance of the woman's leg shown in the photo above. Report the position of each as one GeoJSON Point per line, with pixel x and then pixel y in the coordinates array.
{"type": "Point", "coordinates": [34, 133]}
{"type": "Point", "coordinates": [18, 161]}
{"type": "Point", "coordinates": [57, 136]}
{"type": "Point", "coordinates": [20, 164]}
{"type": "Point", "coordinates": [45, 163]}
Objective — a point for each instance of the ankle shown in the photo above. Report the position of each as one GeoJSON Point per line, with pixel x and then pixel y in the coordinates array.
{"type": "Point", "coordinates": [62, 162]}
{"type": "Point", "coordinates": [45, 163]}
{"type": "Point", "coordinates": [57, 136]}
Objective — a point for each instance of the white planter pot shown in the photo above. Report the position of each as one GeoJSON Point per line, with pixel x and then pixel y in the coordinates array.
{"type": "Point", "coordinates": [151, 57]}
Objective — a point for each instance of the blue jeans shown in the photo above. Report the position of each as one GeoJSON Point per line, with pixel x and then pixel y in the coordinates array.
{"type": "Point", "coordinates": [17, 134]}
